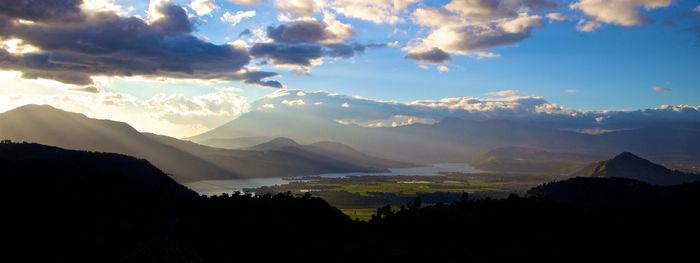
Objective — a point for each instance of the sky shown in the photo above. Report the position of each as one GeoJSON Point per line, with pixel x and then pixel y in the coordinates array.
{"type": "Point", "coordinates": [182, 67]}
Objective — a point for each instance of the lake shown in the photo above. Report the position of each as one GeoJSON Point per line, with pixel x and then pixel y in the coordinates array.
{"type": "Point", "coordinates": [215, 187]}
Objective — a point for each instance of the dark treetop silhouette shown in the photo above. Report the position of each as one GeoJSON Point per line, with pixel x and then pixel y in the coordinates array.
{"type": "Point", "coordinates": [70, 206]}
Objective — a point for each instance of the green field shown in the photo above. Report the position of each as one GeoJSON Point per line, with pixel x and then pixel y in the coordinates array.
{"type": "Point", "coordinates": [360, 196]}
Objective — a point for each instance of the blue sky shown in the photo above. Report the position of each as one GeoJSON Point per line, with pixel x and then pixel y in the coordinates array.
{"type": "Point", "coordinates": [604, 66]}
{"type": "Point", "coordinates": [646, 54]}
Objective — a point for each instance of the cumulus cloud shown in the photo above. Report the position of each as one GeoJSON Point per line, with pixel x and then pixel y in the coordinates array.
{"type": "Point", "coordinates": [618, 12]}
{"type": "Point", "coordinates": [305, 42]}
{"type": "Point", "coordinates": [432, 56]}
{"type": "Point", "coordinates": [377, 11]}
{"type": "Point", "coordinates": [74, 45]}
{"type": "Point", "coordinates": [534, 109]}
{"type": "Point", "coordinates": [245, 2]}
{"type": "Point", "coordinates": [310, 31]}
{"type": "Point", "coordinates": [207, 110]}
{"type": "Point", "coordinates": [485, 9]}
{"type": "Point", "coordinates": [235, 18]}
{"type": "Point", "coordinates": [556, 17]}
{"type": "Point", "coordinates": [300, 7]}
{"type": "Point", "coordinates": [101, 6]}
{"type": "Point", "coordinates": [504, 93]}
{"type": "Point", "coordinates": [292, 103]}
{"type": "Point", "coordinates": [587, 26]}
{"type": "Point", "coordinates": [203, 7]}
{"type": "Point", "coordinates": [472, 27]}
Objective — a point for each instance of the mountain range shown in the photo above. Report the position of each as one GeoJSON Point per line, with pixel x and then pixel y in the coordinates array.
{"type": "Point", "coordinates": [459, 140]}
{"type": "Point", "coordinates": [185, 160]}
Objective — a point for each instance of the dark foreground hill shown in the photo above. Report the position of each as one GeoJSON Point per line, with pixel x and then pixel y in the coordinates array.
{"type": "Point", "coordinates": [628, 165]}
{"type": "Point", "coordinates": [69, 206]}
{"type": "Point", "coordinates": [73, 206]}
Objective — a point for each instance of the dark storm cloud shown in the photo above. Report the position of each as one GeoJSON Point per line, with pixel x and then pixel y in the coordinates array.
{"type": "Point", "coordinates": [106, 44]}
{"type": "Point", "coordinates": [287, 54]}
{"type": "Point", "coordinates": [41, 10]}
{"type": "Point", "coordinates": [245, 32]}
{"type": "Point", "coordinates": [256, 77]}
{"type": "Point", "coordinates": [303, 54]}
{"type": "Point", "coordinates": [299, 32]}
{"type": "Point", "coordinates": [299, 42]}
{"type": "Point", "coordinates": [433, 56]}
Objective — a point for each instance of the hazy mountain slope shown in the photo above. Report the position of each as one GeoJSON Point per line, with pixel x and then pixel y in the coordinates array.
{"type": "Point", "coordinates": [276, 160]}
{"type": "Point", "coordinates": [529, 160]}
{"type": "Point", "coordinates": [341, 151]}
{"type": "Point", "coordinates": [236, 143]}
{"type": "Point", "coordinates": [451, 140]}
{"type": "Point", "coordinates": [186, 160]}
{"type": "Point", "coordinates": [330, 152]}
{"type": "Point", "coordinates": [459, 140]}
{"type": "Point", "coordinates": [275, 144]}
{"type": "Point", "coordinates": [51, 126]}
{"type": "Point", "coordinates": [630, 166]}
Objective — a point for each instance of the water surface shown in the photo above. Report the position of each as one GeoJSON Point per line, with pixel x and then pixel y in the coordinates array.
{"type": "Point", "coordinates": [214, 187]}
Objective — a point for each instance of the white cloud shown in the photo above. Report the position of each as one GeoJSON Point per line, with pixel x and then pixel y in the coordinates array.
{"type": "Point", "coordinates": [435, 17]}
{"type": "Point", "coordinates": [521, 23]}
{"type": "Point", "coordinates": [338, 30]}
{"type": "Point", "coordinates": [556, 17]}
{"type": "Point", "coordinates": [207, 110]}
{"type": "Point", "coordinates": [219, 103]}
{"type": "Point", "coordinates": [504, 93]}
{"type": "Point", "coordinates": [696, 9]}
{"type": "Point", "coordinates": [17, 46]}
{"type": "Point", "coordinates": [472, 27]}
{"type": "Point", "coordinates": [113, 99]}
{"type": "Point", "coordinates": [661, 89]}
{"type": "Point", "coordinates": [345, 105]}
{"type": "Point", "coordinates": [376, 11]}
{"type": "Point", "coordinates": [477, 8]}
{"type": "Point", "coordinates": [293, 103]}
{"type": "Point", "coordinates": [230, 89]}
{"type": "Point", "coordinates": [587, 26]}
{"type": "Point", "coordinates": [203, 7]}
{"type": "Point", "coordinates": [618, 12]}
{"type": "Point", "coordinates": [245, 2]}
{"type": "Point", "coordinates": [300, 7]}
{"type": "Point", "coordinates": [570, 91]}
{"type": "Point", "coordinates": [268, 106]}
{"type": "Point", "coordinates": [102, 6]}
{"type": "Point", "coordinates": [236, 18]}
{"type": "Point", "coordinates": [301, 93]}
{"type": "Point", "coordinates": [443, 69]}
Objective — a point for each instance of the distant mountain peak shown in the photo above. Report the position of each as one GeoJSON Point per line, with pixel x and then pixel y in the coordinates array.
{"type": "Point", "coordinates": [275, 144]}
{"type": "Point", "coordinates": [628, 156]}
{"type": "Point", "coordinates": [631, 166]}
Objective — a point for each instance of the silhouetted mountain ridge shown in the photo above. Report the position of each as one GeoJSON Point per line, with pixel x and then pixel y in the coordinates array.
{"type": "Point", "coordinates": [628, 165]}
